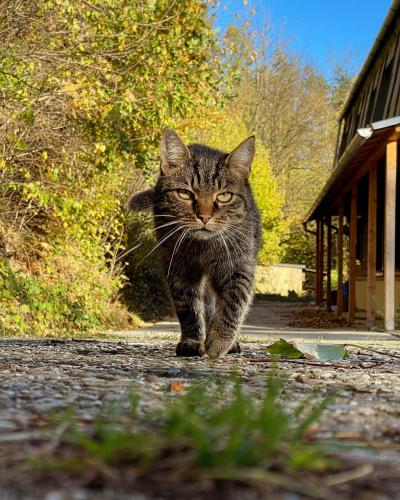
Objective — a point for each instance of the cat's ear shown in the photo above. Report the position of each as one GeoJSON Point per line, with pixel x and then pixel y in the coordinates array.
{"type": "Point", "coordinates": [173, 151]}
{"type": "Point", "coordinates": [241, 158]}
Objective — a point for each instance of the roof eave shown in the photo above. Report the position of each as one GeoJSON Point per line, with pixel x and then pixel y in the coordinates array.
{"type": "Point", "coordinates": [362, 135]}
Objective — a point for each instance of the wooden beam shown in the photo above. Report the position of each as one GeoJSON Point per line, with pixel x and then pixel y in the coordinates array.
{"type": "Point", "coordinates": [317, 262]}
{"type": "Point", "coordinates": [352, 256]}
{"type": "Point", "coordinates": [322, 256]}
{"type": "Point", "coordinates": [340, 261]}
{"type": "Point", "coordinates": [395, 135]}
{"type": "Point", "coordinates": [371, 261]}
{"type": "Point", "coordinates": [358, 173]}
{"type": "Point", "coordinates": [390, 234]}
{"type": "Point", "coordinates": [329, 263]}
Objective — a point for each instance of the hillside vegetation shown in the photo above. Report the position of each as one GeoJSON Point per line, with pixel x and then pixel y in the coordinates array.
{"type": "Point", "coordinates": [86, 88]}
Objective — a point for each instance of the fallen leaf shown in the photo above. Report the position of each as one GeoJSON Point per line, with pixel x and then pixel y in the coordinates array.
{"type": "Point", "coordinates": [316, 352]}
{"type": "Point", "coordinates": [176, 387]}
{"type": "Point", "coordinates": [284, 348]}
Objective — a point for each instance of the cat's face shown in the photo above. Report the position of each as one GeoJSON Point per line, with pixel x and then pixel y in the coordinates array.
{"type": "Point", "coordinates": [202, 189]}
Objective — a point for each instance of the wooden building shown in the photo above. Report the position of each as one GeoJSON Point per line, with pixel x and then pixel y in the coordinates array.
{"type": "Point", "coordinates": [356, 215]}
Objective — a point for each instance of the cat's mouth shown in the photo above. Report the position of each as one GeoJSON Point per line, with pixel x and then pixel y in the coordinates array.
{"type": "Point", "coordinates": [204, 232]}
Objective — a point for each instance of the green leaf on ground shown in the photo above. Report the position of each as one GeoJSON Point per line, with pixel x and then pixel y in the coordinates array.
{"type": "Point", "coordinates": [317, 352]}
{"type": "Point", "coordinates": [284, 348]}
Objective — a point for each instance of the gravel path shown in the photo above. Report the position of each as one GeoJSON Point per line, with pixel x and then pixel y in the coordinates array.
{"type": "Point", "coordinates": [42, 378]}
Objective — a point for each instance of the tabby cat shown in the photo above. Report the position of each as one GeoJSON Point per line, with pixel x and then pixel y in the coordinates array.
{"type": "Point", "coordinates": [208, 228]}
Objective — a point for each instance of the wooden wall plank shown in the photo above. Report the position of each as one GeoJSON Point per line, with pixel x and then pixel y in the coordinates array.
{"type": "Point", "coordinates": [340, 261]}
{"type": "Point", "coordinates": [352, 256]}
{"type": "Point", "coordinates": [371, 260]}
{"type": "Point", "coordinates": [390, 234]}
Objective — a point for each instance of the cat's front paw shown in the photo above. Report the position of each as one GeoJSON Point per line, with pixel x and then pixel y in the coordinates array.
{"type": "Point", "coordinates": [217, 347]}
{"type": "Point", "coordinates": [190, 348]}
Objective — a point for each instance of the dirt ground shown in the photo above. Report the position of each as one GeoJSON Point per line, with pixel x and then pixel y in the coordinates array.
{"type": "Point", "coordinates": [43, 378]}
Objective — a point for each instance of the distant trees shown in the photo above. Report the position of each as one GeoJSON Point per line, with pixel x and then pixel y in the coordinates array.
{"type": "Point", "coordinates": [293, 109]}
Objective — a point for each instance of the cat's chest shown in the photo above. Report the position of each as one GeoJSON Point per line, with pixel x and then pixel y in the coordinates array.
{"type": "Point", "coordinates": [208, 256]}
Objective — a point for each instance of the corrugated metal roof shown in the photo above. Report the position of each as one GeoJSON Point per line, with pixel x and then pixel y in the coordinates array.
{"type": "Point", "coordinates": [393, 11]}
{"type": "Point", "coordinates": [358, 151]}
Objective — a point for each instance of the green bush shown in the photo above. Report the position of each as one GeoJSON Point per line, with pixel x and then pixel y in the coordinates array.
{"type": "Point", "coordinates": [71, 293]}
{"type": "Point", "coordinates": [87, 88]}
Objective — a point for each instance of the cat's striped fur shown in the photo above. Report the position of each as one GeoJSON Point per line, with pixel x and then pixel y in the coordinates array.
{"type": "Point", "coordinates": [208, 228]}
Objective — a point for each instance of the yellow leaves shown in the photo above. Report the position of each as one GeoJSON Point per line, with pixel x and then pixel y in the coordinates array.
{"type": "Point", "coordinates": [129, 95]}
{"type": "Point", "coordinates": [99, 148]}
{"type": "Point", "coordinates": [69, 87]}
{"type": "Point", "coordinates": [45, 155]}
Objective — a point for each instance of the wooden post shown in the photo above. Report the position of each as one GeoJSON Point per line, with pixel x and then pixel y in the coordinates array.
{"type": "Point", "coordinates": [352, 256]}
{"type": "Point", "coordinates": [371, 266]}
{"type": "Point", "coordinates": [390, 234]}
{"type": "Point", "coordinates": [317, 262]}
{"type": "Point", "coordinates": [340, 261]}
{"type": "Point", "coordinates": [322, 255]}
{"type": "Point", "coordinates": [329, 263]}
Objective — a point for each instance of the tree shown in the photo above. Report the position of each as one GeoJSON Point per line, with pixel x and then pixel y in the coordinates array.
{"type": "Point", "coordinates": [293, 110]}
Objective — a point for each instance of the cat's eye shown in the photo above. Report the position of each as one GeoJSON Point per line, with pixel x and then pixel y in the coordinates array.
{"type": "Point", "coordinates": [184, 195]}
{"type": "Point", "coordinates": [224, 197]}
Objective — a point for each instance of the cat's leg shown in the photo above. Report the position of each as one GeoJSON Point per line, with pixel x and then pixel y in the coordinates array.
{"type": "Point", "coordinates": [235, 297]}
{"type": "Point", "coordinates": [188, 297]}
{"type": "Point", "coordinates": [210, 306]}
{"type": "Point", "coordinates": [210, 300]}
{"type": "Point", "coordinates": [235, 348]}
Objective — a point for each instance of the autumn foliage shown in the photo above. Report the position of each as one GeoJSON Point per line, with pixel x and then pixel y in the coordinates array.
{"type": "Point", "coordinates": [86, 88]}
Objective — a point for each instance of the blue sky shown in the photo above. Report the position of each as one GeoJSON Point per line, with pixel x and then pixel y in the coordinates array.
{"type": "Point", "coordinates": [320, 30]}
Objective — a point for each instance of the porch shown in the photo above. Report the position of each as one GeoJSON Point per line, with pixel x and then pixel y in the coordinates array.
{"type": "Point", "coordinates": [354, 222]}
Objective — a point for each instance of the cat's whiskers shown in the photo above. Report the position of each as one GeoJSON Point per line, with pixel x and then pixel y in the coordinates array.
{"type": "Point", "coordinates": [227, 251]}
{"type": "Point", "coordinates": [232, 237]}
{"type": "Point", "coordinates": [237, 231]}
{"type": "Point", "coordinates": [234, 246]}
{"type": "Point", "coordinates": [176, 248]}
{"type": "Point", "coordinates": [164, 239]}
{"type": "Point", "coordinates": [132, 248]}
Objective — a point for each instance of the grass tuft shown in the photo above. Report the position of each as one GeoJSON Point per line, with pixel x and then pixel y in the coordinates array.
{"type": "Point", "coordinates": [228, 434]}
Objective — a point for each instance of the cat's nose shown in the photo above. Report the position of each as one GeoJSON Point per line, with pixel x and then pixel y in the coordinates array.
{"type": "Point", "coordinates": [204, 218]}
